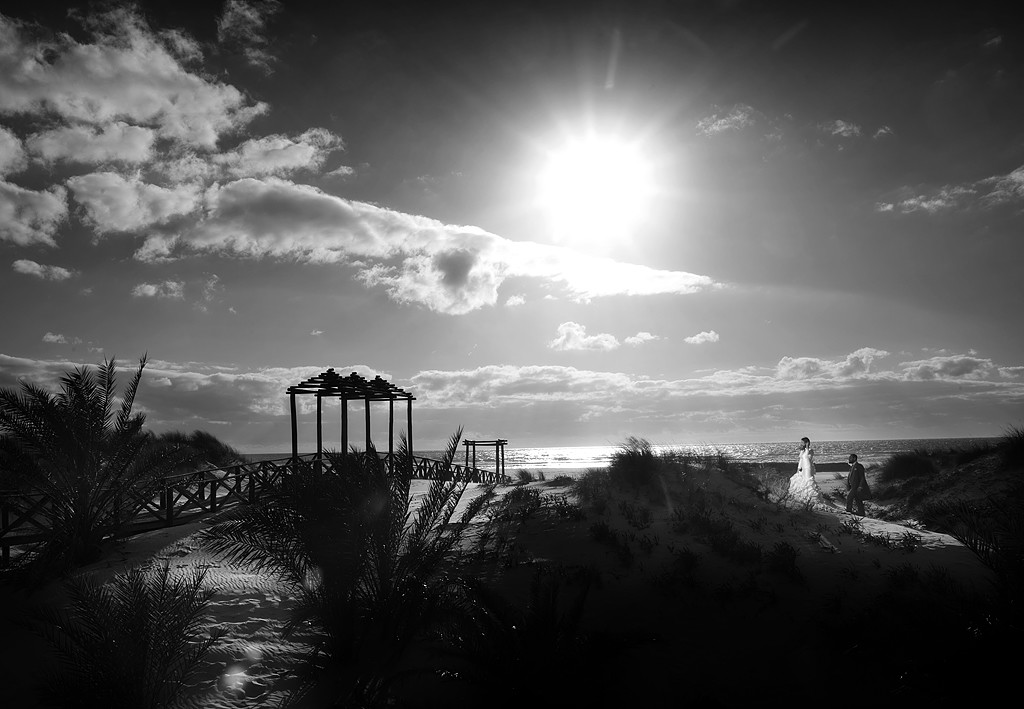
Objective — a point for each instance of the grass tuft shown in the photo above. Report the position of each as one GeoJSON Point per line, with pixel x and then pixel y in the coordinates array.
{"type": "Point", "coordinates": [1011, 447]}
{"type": "Point", "coordinates": [904, 466]}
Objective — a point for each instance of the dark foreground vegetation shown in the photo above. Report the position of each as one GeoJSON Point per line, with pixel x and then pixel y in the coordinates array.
{"type": "Point", "coordinates": [667, 579]}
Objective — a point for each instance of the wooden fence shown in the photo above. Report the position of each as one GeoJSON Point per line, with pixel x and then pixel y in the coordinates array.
{"type": "Point", "coordinates": [25, 518]}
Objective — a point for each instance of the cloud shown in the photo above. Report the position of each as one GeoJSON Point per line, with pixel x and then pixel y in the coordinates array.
{"type": "Point", "coordinates": [125, 73]}
{"type": "Point", "coordinates": [987, 193]}
{"type": "Point", "coordinates": [855, 364]}
{"type": "Point", "coordinates": [951, 367]}
{"type": "Point", "coordinates": [500, 386]}
{"type": "Point", "coordinates": [456, 281]}
{"type": "Point", "coordinates": [316, 333]}
{"type": "Point", "coordinates": [55, 338]}
{"type": "Point", "coordinates": [115, 141]}
{"type": "Point", "coordinates": [738, 118]}
{"type": "Point", "coordinates": [573, 336]}
{"type": "Point", "coordinates": [278, 155]}
{"type": "Point", "coordinates": [417, 260]}
{"type": "Point", "coordinates": [28, 217]}
{"type": "Point", "coordinates": [114, 203]}
{"type": "Point", "coordinates": [1004, 188]}
{"type": "Point", "coordinates": [514, 301]}
{"type": "Point", "coordinates": [183, 47]}
{"type": "Point", "coordinates": [840, 128]}
{"type": "Point", "coordinates": [561, 402]}
{"type": "Point", "coordinates": [640, 338]}
{"type": "Point", "coordinates": [341, 171]}
{"type": "Point", "coordinates": [945, 199]}
{"type": "Point", "coordinates": [242, 25]}
{"type": "Point", "coordinates": [47, 273]}
{"type": "Point", "coordinates": [12, 155]}
{"type": "Point", "coordinates": [702, 337]}
{"type": "Point", "coordinates": [167, 289]}
{"type": "Point", "coordinates": [212, 287]}
{"type": "Point", "coordinates": [168, 391]}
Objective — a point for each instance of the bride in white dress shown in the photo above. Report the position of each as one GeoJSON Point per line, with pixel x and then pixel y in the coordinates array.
{"type": "Point", "coordinates": [802, 487]}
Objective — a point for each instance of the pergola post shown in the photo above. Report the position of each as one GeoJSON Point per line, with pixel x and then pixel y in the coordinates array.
{"type": "Point", "coordinates": [344, 425]}
{"type": "Point", "coordinates": [409, 430]}
{"type": "Point", "coordinates": [295, 433]}
{"type": "Point", "coordinates": [499, 454]}
{"type": "Point", "coordinates": [319, 428]}
{"type": "Point", "coordinates": [391, 435]}
{"type": "Point", "coordinates": [368, 442]}
{"type": "Point", "coordinates": [348, 388]}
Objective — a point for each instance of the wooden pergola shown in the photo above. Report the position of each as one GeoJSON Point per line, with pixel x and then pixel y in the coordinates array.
{"type": "Point", "coordinates": [499, 453]}
{"type": "Point", "coordinates": [350, 388]}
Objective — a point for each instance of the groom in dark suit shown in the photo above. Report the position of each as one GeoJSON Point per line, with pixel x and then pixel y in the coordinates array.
{"type": "Point", "coordinates": [855, 482]}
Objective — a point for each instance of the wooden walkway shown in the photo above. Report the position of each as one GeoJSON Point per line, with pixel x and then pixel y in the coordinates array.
{"type": "Point", "coordinates": [25, 518]}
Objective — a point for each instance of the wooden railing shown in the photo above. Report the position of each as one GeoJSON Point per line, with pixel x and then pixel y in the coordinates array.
{"type": "Point", "coordinates": [25, 518]}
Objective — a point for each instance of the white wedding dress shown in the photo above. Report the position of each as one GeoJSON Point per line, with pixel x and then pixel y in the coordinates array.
{"type": "Point", "coordinates": [802, 488]}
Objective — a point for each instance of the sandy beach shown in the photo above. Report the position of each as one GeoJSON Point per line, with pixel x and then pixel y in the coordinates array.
{"type": "Point", "coordinates": [252, 666]}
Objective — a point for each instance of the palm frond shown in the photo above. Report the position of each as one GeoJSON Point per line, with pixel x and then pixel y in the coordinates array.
{"type": "Point", "coordinates": [130, 643]}
{"type": "Point", "coordinates": [128, 397]}
{"type": "Point", "coordinates": [452, 448]}
{"type": "Point", "coordinates": [68, 448]}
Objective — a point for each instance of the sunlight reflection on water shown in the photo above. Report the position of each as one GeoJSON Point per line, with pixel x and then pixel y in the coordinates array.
{"type": "Point", "coordinates": [575, 459]}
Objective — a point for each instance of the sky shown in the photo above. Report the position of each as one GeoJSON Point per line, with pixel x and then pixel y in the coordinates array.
{"type": "Point", "coordinates": [554, 223]}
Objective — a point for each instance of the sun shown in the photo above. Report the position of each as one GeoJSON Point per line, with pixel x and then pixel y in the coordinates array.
{"type": "Point", "coordinates": [595, 191]}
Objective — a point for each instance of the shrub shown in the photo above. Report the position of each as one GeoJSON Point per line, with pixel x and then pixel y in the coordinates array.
{"type": "Point", "coordinates": [560, 481]}
{"type": "Point", "coordinates": [564, 508]}
{"type": "Point", "coordinates": [962, 456]}
{"type": "Point", "coordinates": [638, 516]}
{"type": "Point", "coordinates": [521, 503]}
{"type": "Point", "coordinates": [1011, 447]}
{"type": "Point", "coordinates": [782, 560]}
{"type": "Point", "coordinates": [601, 533]}
{"type": "Point", "coordinates": [908, 541]}
{"type": "Point", "coordinates": [903, 466]}
{"type": "Point", "coordinates": [758, 525]}
{"type": "Point", "coordinates": [85, 450]}
{"type": "Point", "coordinates": [592, 487]}
{"type": "Point", "coordinates": [634, 464]}
{"type": "Point", "coordinates": [499, 643]}
{"type": "Point", "coordinates": [994, 532]}
{"type": "Point", "coordinates": [132, 643]}
{"type": "Point", "coordinates": [680, 574]}
{"type": "Point", "coordinates": [730, 545]}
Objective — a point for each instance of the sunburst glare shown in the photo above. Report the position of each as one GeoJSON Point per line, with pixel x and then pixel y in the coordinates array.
{"type": "Point", "coordinates": [596, 191]}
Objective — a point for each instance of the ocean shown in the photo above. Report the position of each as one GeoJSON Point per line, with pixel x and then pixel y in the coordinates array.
{"type": "Point", "coordinates": [571, 460]}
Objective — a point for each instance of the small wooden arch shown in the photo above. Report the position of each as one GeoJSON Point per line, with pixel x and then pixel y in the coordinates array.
{"type": "Point", "coordinates": [350, 388]}
{"type": "Point", "coordinates": [499, 453]}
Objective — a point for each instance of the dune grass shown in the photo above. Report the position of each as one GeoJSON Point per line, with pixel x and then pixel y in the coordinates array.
{"type": "Point", "coordinates": [904, 466]}
{"type": "Point", "coordinates": [1011, 447]}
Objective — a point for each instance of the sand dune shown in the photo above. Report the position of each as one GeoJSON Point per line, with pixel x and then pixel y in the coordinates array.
{"type": "Point", "coordinates": [253, 666]}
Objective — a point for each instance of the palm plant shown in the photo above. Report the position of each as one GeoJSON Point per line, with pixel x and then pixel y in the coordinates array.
{"type": "Point", "coordinates": [369, 581]}
{"type": "Point", "coordinates": [83, 453]}
{"type": "Point", "coordinates": [131, 643]}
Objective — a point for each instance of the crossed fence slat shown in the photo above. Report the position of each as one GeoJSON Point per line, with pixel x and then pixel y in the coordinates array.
{"type": "Point", "coordinates": [24, 518]}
